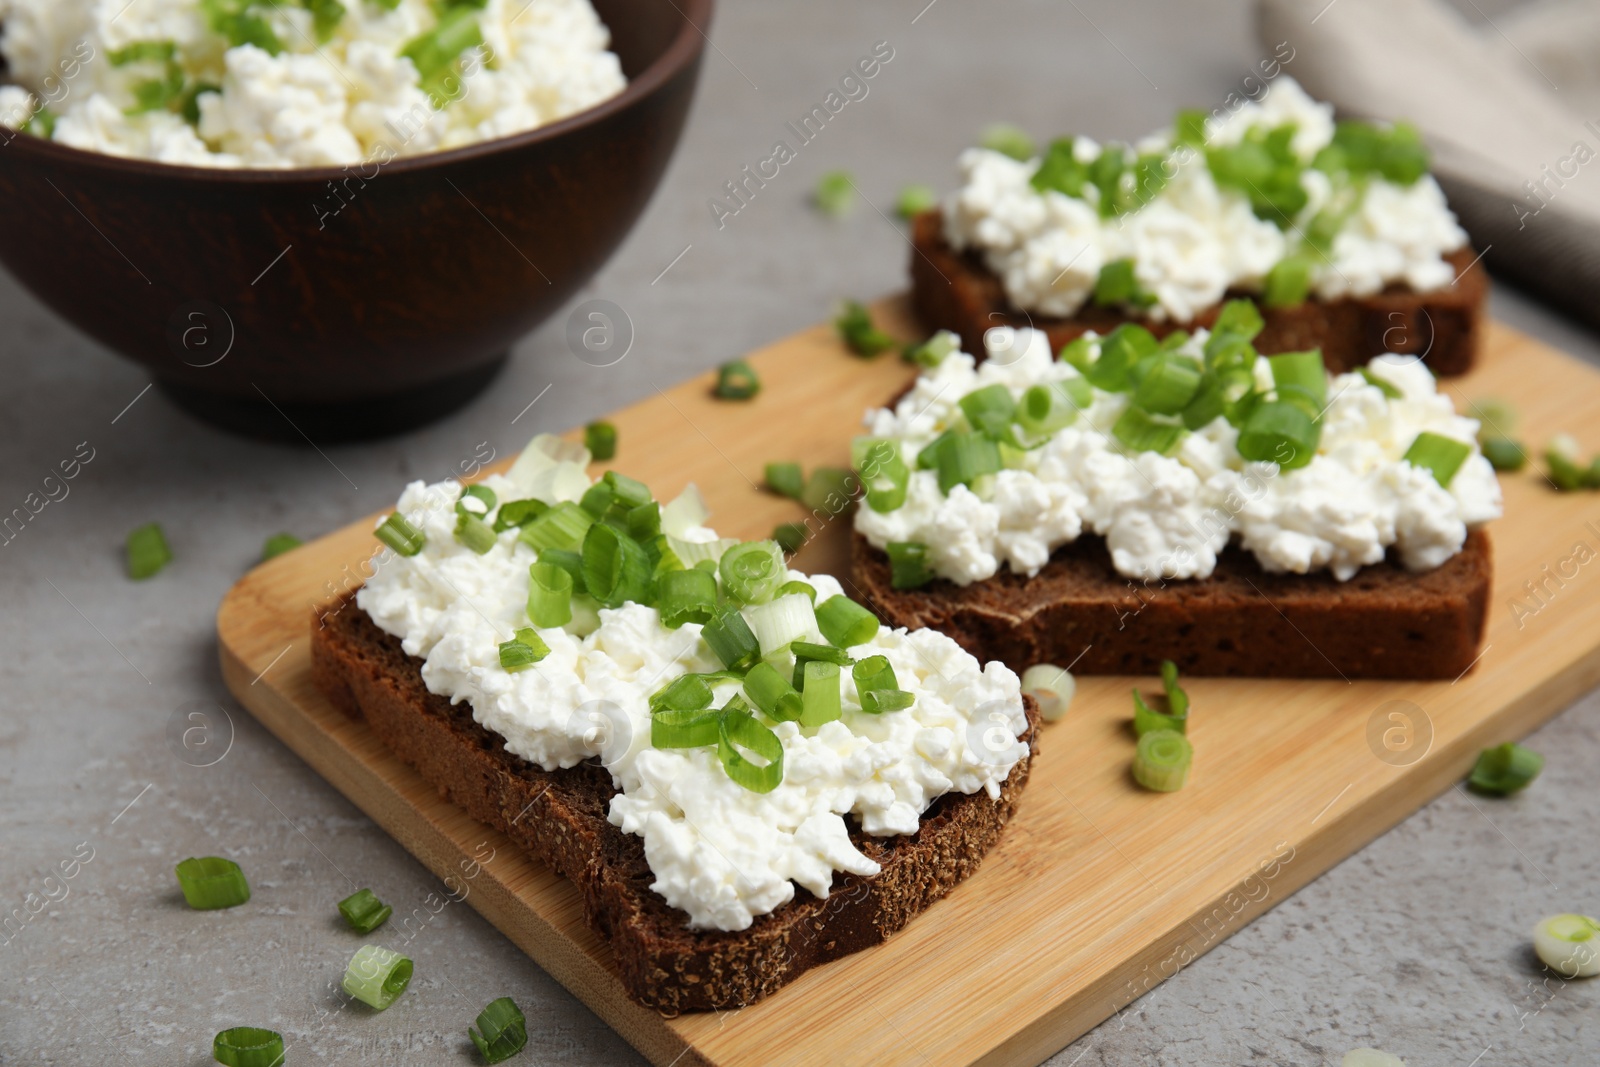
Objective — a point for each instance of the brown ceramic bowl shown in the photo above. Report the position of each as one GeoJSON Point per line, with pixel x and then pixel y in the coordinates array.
{"type": "Point", "coordinates": [260, 305]}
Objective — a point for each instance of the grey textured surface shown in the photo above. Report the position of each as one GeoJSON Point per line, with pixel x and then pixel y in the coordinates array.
{"type": "Point", "coordinates": [1417, 944]}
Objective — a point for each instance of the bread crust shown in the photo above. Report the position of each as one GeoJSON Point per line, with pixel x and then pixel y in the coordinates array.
{"type": "Point", "coordinates": [1386, 622]}
{"type": "Point", "coordinates": [560, 817]}
{"type": "Point", "coordinates": [955, 291]}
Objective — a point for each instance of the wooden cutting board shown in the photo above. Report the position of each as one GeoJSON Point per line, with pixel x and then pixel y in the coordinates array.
{"type": "Point", "coordinates": [1097, 890]}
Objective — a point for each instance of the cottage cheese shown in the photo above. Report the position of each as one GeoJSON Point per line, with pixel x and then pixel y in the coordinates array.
{"type": "Point", "coordinates": [1194, 241]}
{"type": "Point", "coordinates": [719, 852]}
{"type": "Point", "coordinates": [1169, 516]}
{"type": "Point", "coordinates": [348, 100]}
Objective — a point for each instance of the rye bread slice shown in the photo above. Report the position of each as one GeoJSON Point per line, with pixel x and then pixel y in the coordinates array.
{"type": "Point", "coordinates": [560, 817]}
{"type": "Point", "coordinates": [955, 291]}
{"type": "Point", "coordinates": [1386, 622]}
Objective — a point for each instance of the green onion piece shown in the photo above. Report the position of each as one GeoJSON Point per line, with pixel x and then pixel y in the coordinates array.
{"type": "Point", "coordinates": [684, 727]}
{"type": "Point", "coordinates": [240, 25]}
{"type": "Point", "coordinates": [1288, 283]}
{"type": "Point", "coordinates": [963, 458]}
{"type": "Point", "coordinates": [835, 193]}
{"type": "Point", "coordinates": [524, 649]}
{"type": "Point", "coordinates": [1278, 431]}
{"type": "Point", "coordinates": [738, 729]}
{"type": "Point", "coordinates": [932, 352]}
{"type": "Point", "coordinates": [597, 500]}
{"type": "Point", "coordinates": [772, 693]}
{"type": "Point", "coordinates": [518, 513]}
{"type": "Point", "coordinates": [1119, 351]}
{"type": "Point", "coordinates": [600, 438]}
{"type": "Point", "coordinates": [364, 911]}
{"type": "Point", "coordinates": [1008, 140]}
{"type": "Point", "coordinates": [877, 687]}
{"type": "Point", "coordinates": [878, 701]}
{"type": "Point", "coordinates": [1177, 698]}
{"type": "Point", "coordinates": [1505, 769]}
{"type": "Point", "coordinates": [1140, 432]}
{"type": "Point", "coordinates": [855, 327]}
{"type": "Point", "coordinates": [475, 500]}
{"type": "Point", "coordinates": [1167, 386]}
{"type": "Point", "coordinates": [736, 380]}
{"type": "Point", "coordinates": [914, 200]}
{"type": "Point", "coordinates": [1047, 408]}
{"type": "Point", "coordinates": [325, 17]}
{"type": "Point", "coordinates": [644, 522]}
{"type": "Point", "coordinates": [687, 692]}
{"type": "Point", "coordinates": [1051, 687]}
{"type": "Point", "coordinates": [730, 639]}
{"type": "Point", "coordinates": [1118, 285]}
{"type": "Point", "coordinates": [1496, 418]}
{"type": "Point", "coordinates": [1569, 945]}
{"type": "Point", "coordinates": [615, 567]}
{"type": "Point", "coordinates": [434, 53]}
{"type": "Point", "coordinates": [42, 125]}
{"type": "Point", "coordinates": [845, 623]}
{"type": "Point", "coordinates": [1146, 718]}
{"type": "Point", "coordinates": [810, 650]}
{"type": "Point", "coordinates": [248, 1046]}
{"type": "Point", "coordinates": [820, 701]}
{"type": "Point", "coordinates": [908, 564]}
{"type": "Point", "coordinates": [1387, 388]}
{"type": "Point", "coordinates": [377, 976]}
{"type": "Point", "coordinates": [686, 596]}
{"type": "Point", "coordinates": [1301, 375]}
{"type": "Point", "coordinates": [212, 882]}
{"type": "Point", "coordinates": [502, 1031]}
{"type": "Point", "coordinates": [1162, 761]}
{"type": "Point", "coordinates": [473, 532]}
{"type": "Point", "coordinates": [884, 475]}
{"type": "Point", "coordinates": [627, 492]}
{"type": "Point", "coordinates": [752, 571]}
{"type": "Point", "coordinates": [400, 535]}
{"type": "Point", "coordinates": [808, 590]}
{"type": "Point", "coordinates": [1441, 456]}
{"type": "Point", "coordinates": [990, 410]}
{"type": "Point", "coordinates": [1239, 318]}
{"type": "Point", "coordinates": [780, 622]}
{"type": "Point", "coordinates": [1504, 454]}
{"type": "Point", "coordinates": [829, 489]}
{"type": "Point", "coordinates": [569, 561]}
{"type": "Point", "coordinates": [790, 536]}
{"type": "Point", "coordinates": [786, 479]}
{"type": "Point", "coordinates": [1190, 127]}
{"type": "Point", "coordinates": [278, 544]}
{"type": "Point", "coordinates": [144, 52]}
{"type": "Point", "coordinates": [1591, 474]}
{"type": "Point", "coordinates": [147, 551]}
{"type": "Point", "coordinates": [1561, 455]}
{"type": "Point", "coordinates": [550, 591]}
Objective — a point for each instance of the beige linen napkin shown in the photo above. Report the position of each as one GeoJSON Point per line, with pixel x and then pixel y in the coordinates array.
{"type": "Point", "coordinates": [1518, 157]}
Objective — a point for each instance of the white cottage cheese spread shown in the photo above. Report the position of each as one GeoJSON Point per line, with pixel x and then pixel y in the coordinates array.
{"type": "Point", "coordinates": [1192, 241]}
{"type": "Point", "coordinates": [720, 852]}
{"type": "Point", "coordinates": [295, 94]}
{"type": "Point", "coordinates": [1168, 516]}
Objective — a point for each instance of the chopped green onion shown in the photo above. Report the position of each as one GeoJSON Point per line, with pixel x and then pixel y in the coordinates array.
{"type": "Point", "coordinates": [820, 701]}
{"type": "Point", "coordinates": [1288, 283]}
{"type": "Point", "coordinates": [805, 589]}
{"type": "Point", "coordinates": [877, 687]}
{"type": "Point", "coordinates": [1146, 718]}
{"type": "Point", "coordinates": [736, 729]}
{"type": "Point", "coordinates": [772, 693]}
{"type": "Point", "coordinates": [212, 882]}
{"type": "Point", "coordinates": [325, 17]}
{"type": "Point", "coordinates": [1047, 408]}
{"type": "Point", "coordinates": [684, 727]}
{"type": "Point", "coordinates": [845, 623]}
{"type": "Point", "coordinates": [1561, 456]}
{"type": "Point", "coordinates": [615, 567]}
{"type": "Point", "coordinates": [1052, 687]}
{"type": "Point", "coordinates": [1264, 167]}
{"type": "Point", "coordinates": [704, 554]}
{"type": "Point", "coordinates": [550, 591]}
{"type": "Point", "coordinates": [1387, 388]}
{"type": "Point", "coordinates": [730, 639]}
{"type": "Point", "coordinates": [1505, 769]}
{"type": "Point", "coordinates": [597, 500]}
{"type": "Point", "coordinates": [808, 650]}
{"type": "Point", "coordinates": [835, 193]}
{"type": "Point", "coordinates": [990, 410]}
{"type": "Point", "coordinates": [473, 532]}
{"type": "Point", "coordinates": [963, 458]}
{"type": "Point", "coordinates": [518, 513]}
{"type": "Point", "coordinates": [1177, 698]}
{"type": "Point", "coordinates": [932, 352]}
{"type": "Point", "coordinates": [1394, 152]}
{"type": "Point", "coordinates": [786, 479]}
{"type": "Point", "coordinates": [627, 492]}
{"type": "Point", "coordinates": [147, 551]}
{"type": "Point", "coordinates": [600, 438]}
{"type": "Point", "coordinates": [234, 20]}
{"type": "Point", "coordinates": [1591, 474]}
{"type": "Point", "coordinates": [1302, 376]}
{"type": "Point", "coordinates": [855, 327]}
{"type": "Point", "coordinates": [752, 571]}
{"type": "Point", "coordinates": [377, 976]}
{"type": "Point", "coordinates": [644, 522]}
{"type": "Point", "coordinates": [686, 596]}
{"type": "Point", "coordinates": [400, 535]}
{"type": "Point", "coordinates": [1569, 945]}
{"type": "Point", "coordinates": [248, 1046]}
{"type": "Point", "coordinates": [567, 560]}
{"type": "Point", "coordinates": [915, 199]}
{"type": "Point", "coordinates": [687, 692]}
{"type": "Point", "coordinates": [1162, 761]}
{"type": "Point", "coordinates": [42, 125]}
{"type": "Point", "coordinates": [1504, 454]}
{"type": "Point", "coordinates": [687, 510]}
{"type": "Point", "coordinates": [884, 475]}
{"type": "Point", "coordinates": [1190, 127]}
{"type": "Point", "coordinates": [1119, 351]}
{"type": "Point", "coordinates": [791, 536]}
{"type": "Point", "coordinates": [434, 53]}
{"type": "Point", "coordinates": [364, 911]}
{"type": "Point", "coordinates": [1008, 140]}
{"type": "Point", "coordinates": [1278, 431]}
{"type": "Point", "coordinates": [908, 564]}
{"type": "Point", "coordinates": [1496, 418]}
{"type": "Point", "coordinates": [779, 623]}
{"type": "Point", "coordinates": [829, 489]}
{"type": "Point", "coordinates": [1140, 432]}
{"type": "Point", "coordinates": [502, 1031]}
{"type": "Point", "coordinates": [278, 544]}
{"type": "Point", "coordinates": [524, 649]}
{"type": "Point", "coordinates": [736, 380]}
{"type": "Point", "coordinates": [1168, 384]}
{"type": "Point", "coordinates": [476, 500]}
{"type": "Point", "coordinates": [144, 52]}
{"type": "Point", "coordinates": [1240, 318]}
{"type": "Point", "coordinates": [1117, 284]}
{"type": "Point", "coordinates": [1440, 456]}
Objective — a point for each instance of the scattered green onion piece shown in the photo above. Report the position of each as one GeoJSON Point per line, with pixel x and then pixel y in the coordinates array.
{"type": "Point", "coordinates": [240, 25]}
{"type": "Point", "coordinates": [752, 571]}
{"type": "Point", "coordinates": [144, 52]}
{"type": "Point", "coordinates": [687, 692]}
{"type": "Point", "coordinates": [1008, 140]}
{"type": "Point", "coordinates": [1288, 283]}
{"type": "Point", "coordinates": [325, 17]}
{"type": "Point", "coordinates": [212, 882]}
{"type": "Point", "coordinates": [1051, 687]}
{"type": "Point", "coordinates": [615, 567]}
{"type": "Point", "coordinates": [786, 479]}
{"type": "Point", "coordinates": [502, 1031]}
{"type": "Point", "coordinates": [627, 492]}
{"type": "Point", "coordinates": [377, 976]}
{"type": "Point", "coordinates": [644, 522]}
{"type": "Point", "coordinates": [1177, 698]}
{"type": "Point", "coordinates": [990, 410]}
{"type": "Point", "coordinates": [434, 53]}
{"type": "Point", "coordinates": [684, 728]}
{"type": "Point", "coordinates": [1591, 474]}
{"type": "Point", "coordinates": [835, 193]}
{"type": "Point", "coordinates": [1569, 945]}
{"type": "Point", "coordinates": [845, 623]}
{"type": "Point", "coordinates": [884, 475]}
{"type": "Point", "coordinates": [963, 458]}
{"type": "Point", "coordinates": [1504, 454]}
{"type": "Point", "coordinates": [597, 500]}
{"type": "Point", "coordinates": [364, 911]}
{"type": "Point", "coordinates": [567, 560]}
{"type": "Point", "coordinates": [772, 693]}
{"type": "Point", "coordinates": [1190, 127]}
{"type": "Point", "coordinates": [42, 125]}
{"type": "Point", "coordinates": [737, 728]}
{"type": "Point", "coordinates": [1119, 351]}
{"type": "Point", "coordinates": [934, 350]}
{"type": "Point", "coordinates": [855, 327]}
{"type": "Point", "coordinates": [550, 591]}
{"type": "Point", "coordinates": [1561, 456]}
{"type": "Point", "coordinates": [1162, 761]}
{"type": "Point", "coordinates": [877, 687]}
{"type": "Point", "coordinates": [248, 1046]}
{"type": "Point", "coordinates": [736, 380]}
{"type": "Point", "coordinates": [1118, 285]}
{"type": "Point", "coordinates": [806, 589]}
{"type": "Point", "coordinates": [686, 596]}
{"type": "Point", "coordinates": [473, 532]}
{"type": "Point", "coordinates": [908, 564]}
{"type": "Point", "coordinates": [1168, 385]}
{"type": "Point", "coordinates": [1505, 769]}
{"type": "Point", "coordinates": [1496, 418]}
{"type": "Point", "coordinates": [1140, 432]}
{"type": "Point", "coordinates": [523, 650]}
{"type": "Point", "coordinates": [1301, 375]}
{"type": "Point", "coordinates": [600, 438]}
{"type": "Point", "coordinates": [810, 650]}
{"type": "Point", "coordinates": [1387, 388]}
{"type": "Point", "coordinates": [564, 526]}
{"type": "Point", "coordinates": [820, 700]}
{"type": "Point", "coordinates": [1240, 318]}
{"type": "Point", "coordinates": [1278, 431]}
{"type": "Point", "coordinates": [481, 496]}
{"type": "Point", "coordinates": [1440, 456]}
{"type": "Point", "coordinates": [1045, 409]}
{"type": "Point", "coordinates": [829, 489]}
{"type": "Point", "coordinates": [1146, 718]}
{"type": "Point", "coordinates": [518, 513]}
{"type": "Point", "coordinates": [147, 551]}
{"type": "Point", "coordinates": [730, 639]}
{"type": "Point", "coordinates": [278, 544]}
{"type": "Point", "coordinates": [915, 199]}
{"type": "Point", "coordinates": [780, 622]}
{"type": "Point", "coordinates": [790, 536]}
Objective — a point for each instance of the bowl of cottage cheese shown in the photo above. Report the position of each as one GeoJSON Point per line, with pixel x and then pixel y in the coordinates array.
{"type": "Point", "coordinates": [329, 218]}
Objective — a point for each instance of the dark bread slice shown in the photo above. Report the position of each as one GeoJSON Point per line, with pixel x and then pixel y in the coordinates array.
{"type": "Point", "coordinates": [955, 291]}
{"type": "Point", "coordinates": [1386, 622]}
{"type": "Point", "coordinates": [560, 817]}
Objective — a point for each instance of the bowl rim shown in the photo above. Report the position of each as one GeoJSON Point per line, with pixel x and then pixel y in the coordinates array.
{"type": "Point", "coordinates": [682, 50]}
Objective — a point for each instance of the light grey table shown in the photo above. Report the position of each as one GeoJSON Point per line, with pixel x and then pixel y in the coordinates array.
{"type": "Point", "coordinates": [1417, 944]}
